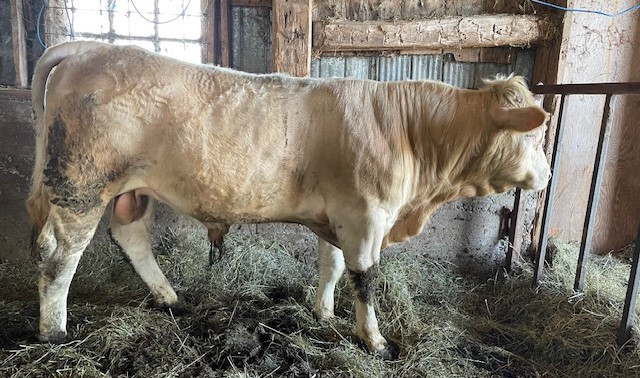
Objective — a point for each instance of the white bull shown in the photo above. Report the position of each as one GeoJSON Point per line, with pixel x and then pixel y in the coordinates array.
{"type": "Point", "coordinates": [361, 163]}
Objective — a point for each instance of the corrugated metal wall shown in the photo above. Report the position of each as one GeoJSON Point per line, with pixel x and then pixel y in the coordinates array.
{"type": "Point", "coordinates": [251, 52]}
{"type": "Point", "coordinates": [420, 67]}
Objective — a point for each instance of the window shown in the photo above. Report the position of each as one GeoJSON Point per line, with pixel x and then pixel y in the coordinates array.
{"type": "Point", "coordinates": [169, 27]}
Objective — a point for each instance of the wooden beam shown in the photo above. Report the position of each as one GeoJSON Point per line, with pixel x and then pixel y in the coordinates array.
{"type": "Point", "coordinates": [208, 31]}
{"type": "Point", "coordinates": [292, 37]}
{"type": "Point", "coordinates": [457, 32]}
{"type": "Point", "coordinates": [251, 3]}
{"type": "Point", "coordinates": [20, 93]}
{"type": "Point", "coordinates": [225, 33]}
{"type": "Point", "coordinates": [19, 45]}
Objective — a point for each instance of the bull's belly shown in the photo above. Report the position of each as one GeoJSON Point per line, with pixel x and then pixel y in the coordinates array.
{"type": "Point", "coordinates": [213, 207]}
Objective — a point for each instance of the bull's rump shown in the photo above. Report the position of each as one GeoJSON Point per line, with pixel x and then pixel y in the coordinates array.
{"type": "Point", "coordinates": [220, 145]}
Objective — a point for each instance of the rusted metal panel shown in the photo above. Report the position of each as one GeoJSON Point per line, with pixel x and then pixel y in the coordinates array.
{"type": "Point", "coordinates": [489, 71]}
{"type": "Point", "coordinates": [359, 67]}
{"type": "Point", "coordinates": [394, 68]}
{"type": "Point", "coordinates": [251, 39]}
{"type": "Point", "coordinates": [523, 64]}
{"type": "Point", "coordinates": [426, 67]}
{"type": "Point", "coordinates": [331, 66]}
{"type": "Point", "coordinates": [315, 68]}
{"type": "Point", "coordinates": [461, 75]}
{"type": "Point", "coordinates": [419, 67]}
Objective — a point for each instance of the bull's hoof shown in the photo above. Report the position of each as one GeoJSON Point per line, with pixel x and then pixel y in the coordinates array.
{"type": "Point", "coordinates": [389, 352]}
{"type": "Point", "coordinates": [57, 337]}
{"type": "Point", "coordinates": [323, 315]}
{"type": "Point", "coordinates": [177, 308]}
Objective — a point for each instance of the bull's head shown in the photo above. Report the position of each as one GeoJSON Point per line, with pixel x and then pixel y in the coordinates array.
{"type": "Point", "coordinates": [510, 152]}
{"type": "Point", "coordinates": [517, 154]}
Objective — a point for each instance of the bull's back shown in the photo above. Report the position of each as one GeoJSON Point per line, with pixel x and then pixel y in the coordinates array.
{"type": "Point", "coordinates": [216, 144]}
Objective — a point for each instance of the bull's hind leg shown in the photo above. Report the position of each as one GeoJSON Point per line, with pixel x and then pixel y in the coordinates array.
{"type": "Point", "coordinates": [330, 269]}
{"type": "Point", "coordinates": [216, 233]}
{"type": "Point", "coordinates": [132, 234]}
{"type": "Point", "coordinates": [58, 249]}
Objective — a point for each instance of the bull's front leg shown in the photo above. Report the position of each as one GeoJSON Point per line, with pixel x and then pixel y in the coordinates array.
{"type": "Point", "coordinates": [361, 246]}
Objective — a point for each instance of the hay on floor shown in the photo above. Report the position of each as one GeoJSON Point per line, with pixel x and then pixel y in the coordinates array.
{"type": "Point", "coordinates": [250, 315]}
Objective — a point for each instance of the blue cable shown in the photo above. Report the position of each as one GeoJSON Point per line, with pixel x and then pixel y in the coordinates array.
{"type": "Point", "coordinates": [38, 26]}
{"type": "Point", "coordinates": [602, 13]}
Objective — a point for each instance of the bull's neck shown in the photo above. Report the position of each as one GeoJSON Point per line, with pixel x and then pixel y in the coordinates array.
{"type": "Point", "coordinates": [445, 128]}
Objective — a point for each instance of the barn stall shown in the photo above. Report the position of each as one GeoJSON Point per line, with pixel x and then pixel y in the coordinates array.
{"type": "Point", "coordinates": [457, 299]}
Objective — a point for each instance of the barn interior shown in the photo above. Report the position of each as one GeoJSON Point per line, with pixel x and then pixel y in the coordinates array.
{"type": "Point", "coordinates": [457, 299]}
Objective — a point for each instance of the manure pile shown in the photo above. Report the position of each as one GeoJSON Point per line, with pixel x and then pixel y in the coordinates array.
{"type": "Point", "coordinates": [250, 315]}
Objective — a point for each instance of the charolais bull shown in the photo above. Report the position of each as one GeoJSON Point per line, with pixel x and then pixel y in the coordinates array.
{"type": "Point", "coordinates": [361, 163]}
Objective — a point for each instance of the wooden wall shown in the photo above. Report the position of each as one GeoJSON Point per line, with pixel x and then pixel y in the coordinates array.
{"type": "Point", "coordinates": [599, 49]}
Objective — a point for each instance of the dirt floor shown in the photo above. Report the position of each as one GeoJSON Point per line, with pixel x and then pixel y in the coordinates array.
{"type": "Point", "coordinates": [250, 315]}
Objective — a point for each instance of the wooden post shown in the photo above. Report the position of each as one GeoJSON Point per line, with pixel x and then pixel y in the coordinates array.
{"type": "Point", "coordinates": [225, 33]}
{"type": "Point", "coordinates": [19, 44]}
{"type": "Point", "coordinates": [208, 31]}
{"type": "Point", "coordinates": [292, 37]}
{"type": "Point", "coordinates": [56, 28]}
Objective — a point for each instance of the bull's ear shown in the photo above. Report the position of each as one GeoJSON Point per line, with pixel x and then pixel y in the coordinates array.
{"type": "Point", "coordinates": [520, 119]}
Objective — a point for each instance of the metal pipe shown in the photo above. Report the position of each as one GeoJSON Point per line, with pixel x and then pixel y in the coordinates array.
{"type": "Point", "coordinates": [594, 194]}
{"type": "Point", "coordinates": [624, 332]}
{"type": "Point", "coordinates": [548, 202]}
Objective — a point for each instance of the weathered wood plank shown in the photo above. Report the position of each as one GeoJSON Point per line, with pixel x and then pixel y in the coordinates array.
{"type": "Point", "coordinates": [292, 37]}
{"type": "Point", "coordinates": [225, 33]}
{"type": "Point", "coordinates": [19, 44]}
{"type": "Point", "coordinates": [456, 32]}
{"type": "Point", "coordinates": [208, 31]}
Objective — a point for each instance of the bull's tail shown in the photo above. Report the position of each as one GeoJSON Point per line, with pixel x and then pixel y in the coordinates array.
{"type": "Point", "coordinates": [38, 204]}
{"type": "Point", "coordinates": [51, 58]}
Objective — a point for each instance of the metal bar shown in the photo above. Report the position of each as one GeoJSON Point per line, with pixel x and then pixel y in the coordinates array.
{"type": "Point", "coordinates": [624, 332]}
{"type": "Point", "coordinates": [515, 230]}
{"type": "Point", "coordinates": [548, 202]}
{"type": "Point", "coordinates": [594, 194]}
{"type": "Point", "coordinates": [597, 88]}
